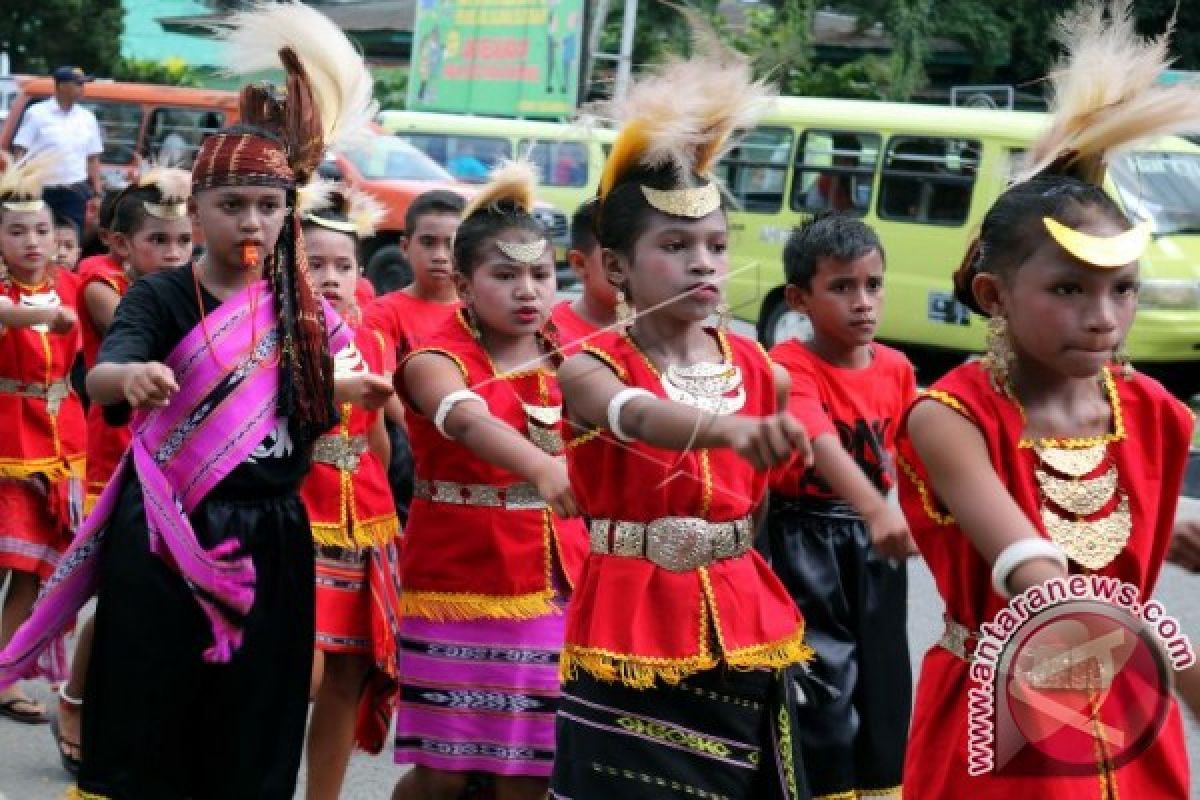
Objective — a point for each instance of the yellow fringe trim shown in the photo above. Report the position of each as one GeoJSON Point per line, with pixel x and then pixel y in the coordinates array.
{"type": "Point", "coordinates": [444, 606]}
{"type": "Point", "coordinates": [633, 671]}
{"type": "Point", "coordinates": [365, 533]}
{"type": "Point", "coordinates": [772, 655]}
{"type": "Point", "coordinates": [52, 468]}
{"type": "Point", "coordinates": [75, 793]}
{"type": "Point", "coordinates": [639, 672]}
{"type": "Point", "coordinates": [89, 503]}
{"type": "Point", "coordinates": [927, 500]}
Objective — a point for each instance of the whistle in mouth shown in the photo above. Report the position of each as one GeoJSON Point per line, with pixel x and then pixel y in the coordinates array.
{"type": "Point", "coordinates": [249, 255]}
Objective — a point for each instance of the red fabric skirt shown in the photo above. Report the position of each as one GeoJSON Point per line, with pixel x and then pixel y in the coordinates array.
{"type": "Point", "coordinates": [343, 601]}
{"type": "Point", "coordinates": [31, 539]}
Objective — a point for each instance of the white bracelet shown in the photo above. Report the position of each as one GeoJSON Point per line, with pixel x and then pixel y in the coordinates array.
{"type": "Point", "coordinates": [614, 410]}
{"type": "Point", "coordinates": [1020, 552]}
{"type": "Point", "coordinates": [447, 405]}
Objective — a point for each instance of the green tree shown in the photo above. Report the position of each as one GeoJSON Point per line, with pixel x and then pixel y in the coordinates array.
{"type": "Point", "coordinates": [40, 35]}
{"type": "Point", "coordinates": [172, 72]}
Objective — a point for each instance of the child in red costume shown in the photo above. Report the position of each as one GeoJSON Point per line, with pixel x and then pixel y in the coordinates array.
{"type": "Point", "coordinates": [353, 521]}
{"type": "Point", "coordinates": [681, 642]}
{"type": "Point", "coordinates": [1049, 457]}
{"type": "Point", "coordinates": [489, 558]}
{"type": "Point", "coordinates": [42, 450]}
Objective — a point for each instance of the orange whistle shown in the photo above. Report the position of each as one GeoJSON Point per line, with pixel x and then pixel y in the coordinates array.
{"type": "Point", "coordinates": [249, 255]}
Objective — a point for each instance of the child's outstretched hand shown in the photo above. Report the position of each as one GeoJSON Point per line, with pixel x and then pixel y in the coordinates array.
{"type": "Point", "coordinates": [890, 535]}
{"type": "Point", "coordinates": [63, 321]}
{"type": "Point", "coordinates": [365, 391]}
{"type": "Point", "coordinates": [149, 385]}
{"type": "Point", "coordinates": [554, 486]}
{"type": "Point", "coordinates": [768, 441]}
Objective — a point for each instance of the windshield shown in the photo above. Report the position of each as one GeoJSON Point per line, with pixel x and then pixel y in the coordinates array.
{"type": "Point", "coordinates": [1161, 187]}
{"type": "Point", "coordinates": [392, 158]}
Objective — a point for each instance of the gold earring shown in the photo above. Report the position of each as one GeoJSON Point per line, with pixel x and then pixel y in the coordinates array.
{"type": "Point", "coordinates": [624, 312]}
{"type": "Point", "coordinates": [1121, 356]}
{"type": "Point", "coordinates": [999, 357]}
{"type": "Point", "coordinates": [724, 316]}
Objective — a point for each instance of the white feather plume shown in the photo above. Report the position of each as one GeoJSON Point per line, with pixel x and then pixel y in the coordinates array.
{"type": "Point", "coordinates": [341, 84]}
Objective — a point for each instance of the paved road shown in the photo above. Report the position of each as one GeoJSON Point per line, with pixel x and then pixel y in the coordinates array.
{"type": "Point", "coordinates": [29, 769]}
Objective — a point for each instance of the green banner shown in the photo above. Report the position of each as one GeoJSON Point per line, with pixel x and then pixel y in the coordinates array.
{"type": "Point", "coordinates": [516, 58]}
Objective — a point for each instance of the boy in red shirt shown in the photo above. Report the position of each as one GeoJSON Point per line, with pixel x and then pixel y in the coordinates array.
{"type": "Point", "coordinates": [836, 542]}
{"type": "Point", "coordinates": [574, 321]}
{"type": "Point", "coordinates": [410, 314]}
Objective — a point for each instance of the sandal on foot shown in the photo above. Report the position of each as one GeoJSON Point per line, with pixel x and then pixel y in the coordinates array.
{"type": "Point", "coordinates": [69, 762]}
{"type": "Point", "coordinates": [9, 708]}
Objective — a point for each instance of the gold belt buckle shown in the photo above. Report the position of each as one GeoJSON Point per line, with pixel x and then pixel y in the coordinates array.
{"type": "Point", "coordinates": [679, 544]}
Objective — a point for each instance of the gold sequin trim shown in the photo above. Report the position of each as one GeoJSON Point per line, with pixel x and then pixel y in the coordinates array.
{"type": "Point", "coordinates": [1081, 442]}
{"type": "Point", "coordinates": [928, 502]}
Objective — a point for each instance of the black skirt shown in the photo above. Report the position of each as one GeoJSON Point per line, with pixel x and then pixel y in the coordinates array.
{"type": "Point", "coordinates": [720, 734]}
{"type": "Point", "coordinates": [162, 723]}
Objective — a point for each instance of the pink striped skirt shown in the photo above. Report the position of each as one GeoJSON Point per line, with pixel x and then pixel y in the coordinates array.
{"type": "Point", "coordinates": [479, 696]}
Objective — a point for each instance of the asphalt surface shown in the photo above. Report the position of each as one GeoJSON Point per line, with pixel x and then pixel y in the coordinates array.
{"type": "Point", "coordinates": [29, 767]}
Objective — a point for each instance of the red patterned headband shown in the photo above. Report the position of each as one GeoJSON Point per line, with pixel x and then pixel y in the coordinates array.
{"type": "Point", "coordinates": [237, 158]}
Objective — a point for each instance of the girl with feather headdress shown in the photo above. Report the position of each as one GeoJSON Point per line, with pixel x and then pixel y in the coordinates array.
{"type": "Point", "coordinates": [199, 546]}
{"type": "Point", "coordinates": [490, 554]}
{"type": "Point", "coordinates": [42, 451]}
{"type": "Point", "coordinates": [680, 641]}
{"type": "Point", "coordinates": [1051, 457]}
{"type": "Point", "coordinates": [354, 523]}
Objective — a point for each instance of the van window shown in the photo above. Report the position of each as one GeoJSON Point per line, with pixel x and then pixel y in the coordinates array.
{"type": "Point", "coordinates": [469, 158]}
{"type": "Point", "coordinates": [383, 157]}
{"type": "Point", "coordinates": [558, 163]}
{"type": "Point", "coordinates": [1161, 187]}
{"type": "Point", "coordinates": [929, 180]}
{"type": "Point", "coordinates": [835, 171]}
{"type": "Point", "coordinates": [120, 125]}
{"type": "Point", "coordinates": [173, 135]}
{"type": "Point", "coordinates": [755, 171]}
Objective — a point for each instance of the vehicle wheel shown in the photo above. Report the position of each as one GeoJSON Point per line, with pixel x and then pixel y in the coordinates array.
{"type": "Point", "coordinates": [388, 269]}
{"type": "Point", "coordinates": [781, 323]}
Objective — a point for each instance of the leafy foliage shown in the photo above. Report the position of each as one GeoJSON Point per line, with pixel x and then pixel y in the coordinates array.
{"type": "Point", "coordinates": [40, 35]}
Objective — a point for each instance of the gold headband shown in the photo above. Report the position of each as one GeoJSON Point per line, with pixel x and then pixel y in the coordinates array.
{"type": "Point", "coordinates": [523, 252]}
{"type": "Point", "coordinates": [25, 205]}
{"type": "Point", "coordinates": [339, 225]}
{"type": "Point", "coordinates": [167, 211]}
{"type": "Point", "coordinates": [693, 203]}
{"type": "Point", "coordinates": [1105, 252]}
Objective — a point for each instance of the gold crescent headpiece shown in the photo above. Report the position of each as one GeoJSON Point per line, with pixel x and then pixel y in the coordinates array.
{"type": "Point", "coordinates": [24, 205]}
{"type": "Point", "coordinates": [693, 203]}
{"type": "Point", "coordinates": [1105, 252]}
{"type": "Point", "coordinates": [523, 252]}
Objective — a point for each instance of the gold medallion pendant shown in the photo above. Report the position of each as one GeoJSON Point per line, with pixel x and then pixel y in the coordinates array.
{"type": "Point", "coordinates": [544, 424]}
{"type": "Point", "coordinates": [1083, 509]}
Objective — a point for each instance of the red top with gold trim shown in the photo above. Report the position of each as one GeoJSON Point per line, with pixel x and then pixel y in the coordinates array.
{"type": "Point", "coordinates": [570, 329]}
{"type": "Point", "coordinates": [405, 320]}
{"type": "Point", "coordinates": [46, 437]}
{"type": "Point", "coordinates": [470, 561]}
{"type": "Point", "coordinates": [634, 621]}
{"type": "Point", "coordinates": [352, 508]}
{"type": "Point", "coordinates": [105, 443]}
{"type": "Point", "coordinates": [1148, 447]}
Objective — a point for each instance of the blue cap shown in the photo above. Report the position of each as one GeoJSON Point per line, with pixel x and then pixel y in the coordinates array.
{"type": "Point", "coordinates": [72, 74]}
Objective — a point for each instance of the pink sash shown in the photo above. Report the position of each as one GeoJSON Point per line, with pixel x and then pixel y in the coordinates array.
{"type": "Point", "coordinates": [180, 453]}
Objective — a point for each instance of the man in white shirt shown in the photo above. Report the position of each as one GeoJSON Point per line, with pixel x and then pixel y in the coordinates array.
{"type": "Point", "coordinates": [62, 125]}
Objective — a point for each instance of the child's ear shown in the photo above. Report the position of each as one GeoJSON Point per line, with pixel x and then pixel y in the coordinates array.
{"type": "Point", "coordinates": [462, 285]}
{"type": "Point", "coordinates": [987, 290]}
{"type": "Point", "coordinates": [577, 260]}
{"type": "Point", "coordinates": [118, 244]}
{"type": "Point", "coordinates": [615, 267]}
{"type": "Point", "coordinates": [797, 298]}
{"type": "Point", "coordinates": [402, 243]}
